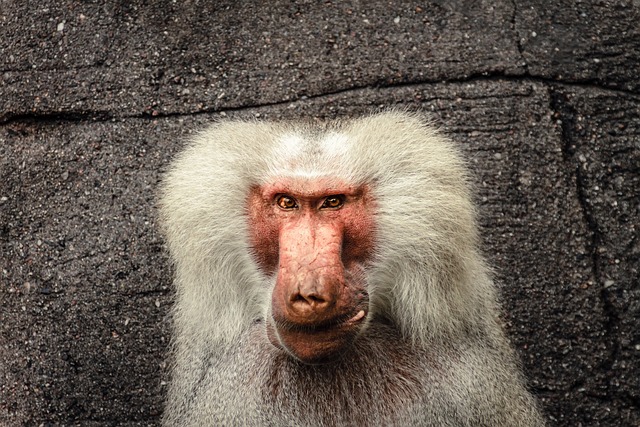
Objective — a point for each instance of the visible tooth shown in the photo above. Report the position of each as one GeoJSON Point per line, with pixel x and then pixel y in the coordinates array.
{"type": "Point", "coordinates": [358, 316]}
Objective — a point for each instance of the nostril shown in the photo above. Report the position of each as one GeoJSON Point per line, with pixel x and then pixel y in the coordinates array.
{"type": "Point", "coordinates": [297, 298]}
{"type": "Point", "coordinates": [312, 299]}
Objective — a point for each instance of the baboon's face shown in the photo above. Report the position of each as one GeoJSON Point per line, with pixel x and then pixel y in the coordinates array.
{"type": "Point", "coordinates": [316, 237]}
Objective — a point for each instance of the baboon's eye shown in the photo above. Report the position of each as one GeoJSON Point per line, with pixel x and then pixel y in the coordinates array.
{"type": "Point", "coordinates": [333, 202]}
{"type": "Point", "coordinates": [286, 202]}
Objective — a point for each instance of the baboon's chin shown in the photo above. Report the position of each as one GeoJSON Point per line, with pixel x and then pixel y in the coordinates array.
{"type": "Point", "coordinates": [316, 346]}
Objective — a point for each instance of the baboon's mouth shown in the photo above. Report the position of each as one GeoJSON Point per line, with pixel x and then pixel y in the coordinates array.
{"type": "Point", "coordinates": [316, 344]}
{"type": "Point", "coordinates": [344, 321]}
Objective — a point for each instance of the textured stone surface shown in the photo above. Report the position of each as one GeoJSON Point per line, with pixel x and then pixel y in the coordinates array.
{"type": "Point", "coordinates": [96, 97]}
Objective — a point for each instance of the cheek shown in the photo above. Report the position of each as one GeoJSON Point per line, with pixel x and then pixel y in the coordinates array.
{"type": "Point", "coordinates": [359, 235]}
{"type": "Point", "coordinates": [263, 235]}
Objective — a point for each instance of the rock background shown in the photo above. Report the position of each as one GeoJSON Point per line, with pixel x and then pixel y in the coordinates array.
{"type": "Point", "coordinates": [97, 96]}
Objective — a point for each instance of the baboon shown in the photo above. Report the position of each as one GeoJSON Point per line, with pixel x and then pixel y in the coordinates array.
{"type": "Point", "coordinates": [329, 275]}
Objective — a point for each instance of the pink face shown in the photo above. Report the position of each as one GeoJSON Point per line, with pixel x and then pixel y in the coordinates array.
{"type": "Point", "coordinates": [316, 235]}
